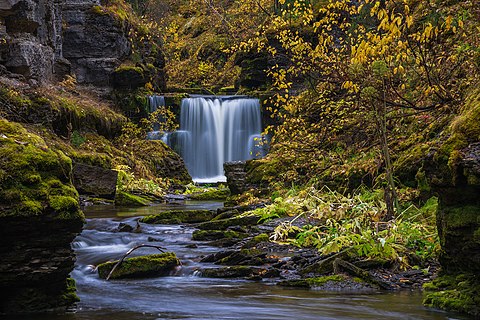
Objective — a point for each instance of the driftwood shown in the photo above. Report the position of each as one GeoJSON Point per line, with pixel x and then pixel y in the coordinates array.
{"type": "Point", "coordinates": [129, 252]}
{"type": "Point", "coordinates": [359, 272]}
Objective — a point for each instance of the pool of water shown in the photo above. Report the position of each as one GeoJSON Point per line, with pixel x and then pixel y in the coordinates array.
{"type": "Point", "coordinates": [187, 295]}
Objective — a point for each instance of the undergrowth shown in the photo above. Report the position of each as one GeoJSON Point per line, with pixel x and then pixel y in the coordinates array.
{"type": "Point", "coordinates": [331, 222]}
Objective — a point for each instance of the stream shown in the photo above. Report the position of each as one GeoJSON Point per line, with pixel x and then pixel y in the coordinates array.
{"type": "Point", "coordinates": [186, 295]}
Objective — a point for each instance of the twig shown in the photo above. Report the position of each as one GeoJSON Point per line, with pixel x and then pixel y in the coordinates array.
{"type": "Point", "coordinates": [130, 251]}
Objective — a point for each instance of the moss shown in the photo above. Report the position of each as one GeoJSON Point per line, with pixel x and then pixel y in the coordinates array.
{"type": "Point", "coordinates": [210, 235]}
{"type": "Point", "coordinates": [263, 237]}
{"type": "Point", "coordinates": [214, 194]}
{"type": "Point", "coordinates": [64, 206]}
{"type": "Point", "coordinates": [70, 295]}
{"type": "Point", "coordinates": [185, 216]}
{"type": "Point", "coordinates": [313, 282]}
{"type": "Point", "coordinates": [464, 216]}
{"type": "Point", "coordinates": [228, 272]}
{"type": "Point", "coordinates": [459, 293]}
{"type": "Point", "coordinates": [143, 266]}
{"type": "Point", "coordinates": [223, 224]}
{"type": "Point", "coordinates": [126, 199]}
{"type": "Point", "coordinates": [37, 178]}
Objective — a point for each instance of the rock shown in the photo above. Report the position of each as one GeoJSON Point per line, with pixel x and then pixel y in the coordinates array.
{"type": "Point", "coordinates": [179, 216]}
{"type": "Point", "coordinates": [236, 176]}
{"type": "Point", "coordinates": [97, 181]}
{"type": "Point", "coordinates": [30, 59]}
{"type": "Point", "coordinates": [338, 282]}
{"type": "Point", "coordinates": [152, 239]}
{"type": "Point", "coordinates": [225, 223]}
{"type": "Point", "coordinates": [94, 42]}
{"type": "Point", "coordinates": [124, 227]}
{"type": "Point", "coordinates": [33, 30]}
{"type": "Point", "coordinates": [209, 235]}
{"type": "Point", "coordinates": [128, 77]}
{"type": "Point", "coordinates": [232, 272]}
{"type": "Point", "coordinates": [126, 199]}
{"type": "Point", "coordinates": [154, 265]}
{"type": "Point", "coordinates": [214, 194]}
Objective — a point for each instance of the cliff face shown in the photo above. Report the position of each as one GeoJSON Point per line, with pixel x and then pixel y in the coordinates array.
{"type": "Point", "coordinates": [93, 41]}
{"type": "Point", "coordinates": [31, 33]}
{"type": "Point", "coordinates": [45, 40]}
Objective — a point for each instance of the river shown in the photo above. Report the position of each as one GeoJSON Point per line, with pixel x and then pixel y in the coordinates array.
{"type": "Point", "coordinates": [186, 295]}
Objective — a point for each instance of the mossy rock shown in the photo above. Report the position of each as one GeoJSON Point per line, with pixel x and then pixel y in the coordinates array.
{"type": "Point", "coordinates": [179, 216]}
{"type": "Point", "coordinates": [210, 235]}
{"type": "Point", "coordinates": [231, 272]}
{"type": "Point", "coordinates": [214, 194]}
{"type": "Point", "coordinates": [126, 199]}
{"type": "Point", "coordinates": [129, 77]}
{"type": "Point", "coordinates": [223, 224]}
{"type": "Point", "coordinates": [138, 267]}
{"type": "Point", "coordinates": [263, 237]}
{"type": "Point", "coordinates": [250, 257]}
{"type": "Point", "coordinates": [328, 283]}
{"type": "Point", "coordinates": [35, 179]}
{"type": "Point", "coordinates": [452, 292]}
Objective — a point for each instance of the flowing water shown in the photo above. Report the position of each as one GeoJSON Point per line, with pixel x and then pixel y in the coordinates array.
{"type": "Point", "coordinates": [186, 295]}
{"type": "Point", "coordinates": [214, 130]}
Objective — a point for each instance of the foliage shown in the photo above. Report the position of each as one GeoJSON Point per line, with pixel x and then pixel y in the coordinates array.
{"type": "Point", "coordinates": [332, 222]}
{"type": "Point", "coordinates": [361, 78]}
{"type": "Point", "coordinates": [129, 183]}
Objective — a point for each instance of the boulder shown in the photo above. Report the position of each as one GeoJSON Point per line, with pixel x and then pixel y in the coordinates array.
{"type": "Point", "coordinates": [96, 181]}
{"type": "Point", "coordinates": [154, 265]}
{"type": "Point", "coordinates": [236, 176]}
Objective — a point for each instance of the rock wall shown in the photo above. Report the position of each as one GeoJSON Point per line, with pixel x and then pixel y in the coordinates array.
{"type": "Point", "coordinates": [45, 40]}
{"type": "Point", "coordinates": [93, 41]}
{"type": "Point", "coordinates": [236, 174]}
{"type": "Point", "coordinates": [36, 260]}
{"type": "Point", "coordinates": [31, 34]}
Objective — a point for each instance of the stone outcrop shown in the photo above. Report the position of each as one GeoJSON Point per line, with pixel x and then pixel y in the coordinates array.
{"type": "Point", "coordinates": [236, 174]}
{"type": "Point", "coordinates": [36, 260]}
{"type": "Point", "coordinates": [45, 40]}
{"type": "Point", "coordinates": [94, 42]}
{"type": "Point", "coordinates": [32, 39]}
{"type": "Point", "coordinates": [96, 181]}
{"type": "Point", "coordinates": [458, 218]}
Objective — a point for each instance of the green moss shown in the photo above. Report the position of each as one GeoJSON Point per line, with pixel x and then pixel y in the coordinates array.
{"type": "Point", "coordinates": [214, 194]}
{"type": "Point", "coordinates": [228, 272]}
{"type": "Point", "coordinates": [126, 199]}
{"type": "Point", "coordinates": [210, 235]}
{"type": "Point", "coordinates": [313, 282]}
{"type": "Point", "coordinates": [64, 206]}
{"type": "Point", "coordinates": [225, 223]}
{"type": "Point", "coordinates": [143, 266]}
{"type": "Point", "coordinates": [464, 216]}
{"type": "Point", "coordinates": [263, 237]}
{"type": "Point", "coordinates": [37, 178]}
{"type": "Point", "coordinates": [185, 216]}
{"type": "Point", "coordinates": [70, 295]}
{"type": "Point", "coordinates": [459, 293]}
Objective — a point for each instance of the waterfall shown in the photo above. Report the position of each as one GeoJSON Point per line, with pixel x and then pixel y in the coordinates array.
{"type": "Point", "coordinates": [214, 130]}
{"type": "Point", "coordinates": [154, 102]}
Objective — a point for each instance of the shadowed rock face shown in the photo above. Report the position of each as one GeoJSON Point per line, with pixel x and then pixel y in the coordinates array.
{"type": "Point", "coordinates": [33, 40]}
{"type": "Point", "coordinates": [95, 43]}
{"type": "Point", "coordinates": [458, 218]}
{"type": "Point", "coordinates": [36, 260]}
{"type": "Point", "coordinates": [45, 40]}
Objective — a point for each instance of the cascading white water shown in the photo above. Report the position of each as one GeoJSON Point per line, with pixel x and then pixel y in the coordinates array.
{"type": "Point", "coordinates": [214, 130]}
{"type": "Point", "coordinates": [155, 102]}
